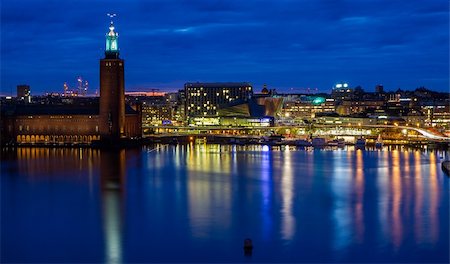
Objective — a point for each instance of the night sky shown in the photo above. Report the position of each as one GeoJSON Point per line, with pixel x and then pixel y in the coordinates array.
{"type": "Point", "coordinates": [288, 44]}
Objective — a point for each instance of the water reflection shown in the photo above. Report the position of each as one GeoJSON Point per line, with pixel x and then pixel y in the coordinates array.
{"type": "Point", "coordinates": [341, 185]}
{"type": "Point", "coordinates": [287, 195]}
{"type": "Point", "coordinates": [395, 200]}
{"type": "Point", "coordinates": [40, 163]}
{"type": "Point", "coordinates": [198, 202]}
{"type": "Point", "coordinates": [112, 178]}
{"type": "Point", "coordinates": [209, 188]}
{"type": "Point", "coordinates": [359, 193]}
{"type": "Point", "coordinates": [418, 197]}
{"type": "Point", "coordinates": [433, 190]}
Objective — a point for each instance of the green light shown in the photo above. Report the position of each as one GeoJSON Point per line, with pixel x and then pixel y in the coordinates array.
{"type": "Point", "coordinates": [318, 100]}
{"type": "Point", "coordinates": [111, 39]}
{"type": "Point", "coordinates": [111, 43]}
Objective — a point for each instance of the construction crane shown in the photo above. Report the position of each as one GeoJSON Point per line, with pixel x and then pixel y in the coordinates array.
{"type": "Point", "coordinates": [154, 90]}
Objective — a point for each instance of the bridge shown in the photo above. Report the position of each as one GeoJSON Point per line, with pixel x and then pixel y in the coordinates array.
{"type": "Point", "coordinates": [425, 133]}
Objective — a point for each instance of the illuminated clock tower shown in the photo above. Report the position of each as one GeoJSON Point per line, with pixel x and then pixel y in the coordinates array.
{"type": "Point", "coordinates": [112, 90]}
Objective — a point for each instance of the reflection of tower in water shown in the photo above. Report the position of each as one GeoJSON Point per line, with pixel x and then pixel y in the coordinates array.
{"type": "Point", "coordinates": [112, 178]}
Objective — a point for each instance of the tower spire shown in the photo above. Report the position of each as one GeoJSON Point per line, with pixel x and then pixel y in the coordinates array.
{"type": "Point", "coordinates": [112, 48]}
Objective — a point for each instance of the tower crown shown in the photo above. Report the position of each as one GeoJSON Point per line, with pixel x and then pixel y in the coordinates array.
{"type": "Point", "coordinates": [112, 47]}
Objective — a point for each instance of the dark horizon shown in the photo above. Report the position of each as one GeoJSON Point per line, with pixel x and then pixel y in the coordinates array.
{"type": "Point", "coordinates": [285, 44]}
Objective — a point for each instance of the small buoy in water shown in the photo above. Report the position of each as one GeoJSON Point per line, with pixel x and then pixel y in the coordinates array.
{"type": "Point", "coordinates": [248, 247]}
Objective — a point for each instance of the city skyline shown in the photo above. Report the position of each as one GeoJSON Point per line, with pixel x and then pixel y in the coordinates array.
{"type": "Point", "coordinates": [286, 44]}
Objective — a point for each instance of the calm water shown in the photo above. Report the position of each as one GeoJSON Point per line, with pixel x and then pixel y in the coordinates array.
{"type": "Point", "coordinates": [199, 202]}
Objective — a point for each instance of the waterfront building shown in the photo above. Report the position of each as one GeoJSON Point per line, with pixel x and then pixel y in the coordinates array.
{"type": "Point", "coordinates": [204, 99]}
{"type": "Point", "coordinates": [297, 109]}
{"type": "Point", "coordinates": [348, 107]}
{"type": "Point", "coordinates": [232, 122]}
{"type": "Point", "coordinates": [78, 123]}
{"type": "Point", "coordinates": [437, 113]}
{"type": "Point", "coordinates": [156, 115]}
{"type": "Point", "coordinates": [112, 89]}
{"type": "Point", "coordinates": [335, 119]}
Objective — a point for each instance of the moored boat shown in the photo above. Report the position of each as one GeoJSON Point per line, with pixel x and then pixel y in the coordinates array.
{"type": "Point", "coordinates": [340, 143]}
{"type": "Point", "coordinates": [318, 142]}
{"type": "Point", "coordinates": [302, 143]}
{"type": "Point", "coordinates": [360, 142]}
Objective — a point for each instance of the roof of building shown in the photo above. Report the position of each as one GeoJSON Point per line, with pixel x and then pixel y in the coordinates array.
{"type": "Point", "coordinates": [216, 84]}
{"type": "Point", "coordinates": [245, 108]}
{"type": "Point", "coordinates": [47, 109]}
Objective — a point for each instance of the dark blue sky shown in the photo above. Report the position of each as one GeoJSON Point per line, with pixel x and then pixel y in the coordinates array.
{"type": "Point", "coordinates": [284, 43]}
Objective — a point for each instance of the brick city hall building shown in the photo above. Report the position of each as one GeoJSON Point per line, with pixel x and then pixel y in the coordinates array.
{"type": "Point", "coordinates": [107, 118]}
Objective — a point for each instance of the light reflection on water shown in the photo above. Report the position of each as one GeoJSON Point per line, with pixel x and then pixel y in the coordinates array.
{"type": "Point", "coordinates": [198, 202]}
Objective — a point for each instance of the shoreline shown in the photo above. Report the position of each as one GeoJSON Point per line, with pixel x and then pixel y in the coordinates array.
{"type": "Point", "coordinates": [185, 140]}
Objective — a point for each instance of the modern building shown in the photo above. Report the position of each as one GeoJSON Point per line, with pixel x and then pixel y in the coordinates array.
{"type": "Point", "coordinates": [110, 119]}
{"type": "Point", "coordinates": [348, 107]}
{"type": "Point", "coordinates": [204, 99]}
{"type": "Point", "coordinates": [306, 107]}
{"type": "Point", "coordinates": [156, 111]}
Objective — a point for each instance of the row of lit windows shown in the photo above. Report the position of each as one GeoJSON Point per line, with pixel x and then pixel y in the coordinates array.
{"type": "Point", "coordinates": [198, 107]}
{"type": "Point", "coordinates": [57, 117]}
{"type": "Point", "coordinates": [219, 88]}
{"type": "Point", "coordinates": [217, 95]}
{"type": "Point", "coordinates": [109, 64]}
{"type": "Point", "coordinates": [55, 138]}
{"type": "Point", "coordinates": [306, 108]}
{"type": "Point", "coordinates": [55, 128]}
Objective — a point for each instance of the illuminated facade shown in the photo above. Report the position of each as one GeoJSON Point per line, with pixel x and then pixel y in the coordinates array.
{"type": "Point", "coordinates": [156, 115]}
{"type": "Point", "coordinates": [353, 107]}
{"type": "Point", "coordinates": [438, 114]}
{"type": "Point", "coordinates": [306, 107]}
{"type": "Point", "coordinates": [112, 89]}
{"type": "Point", "coordinates": [204, 99]}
